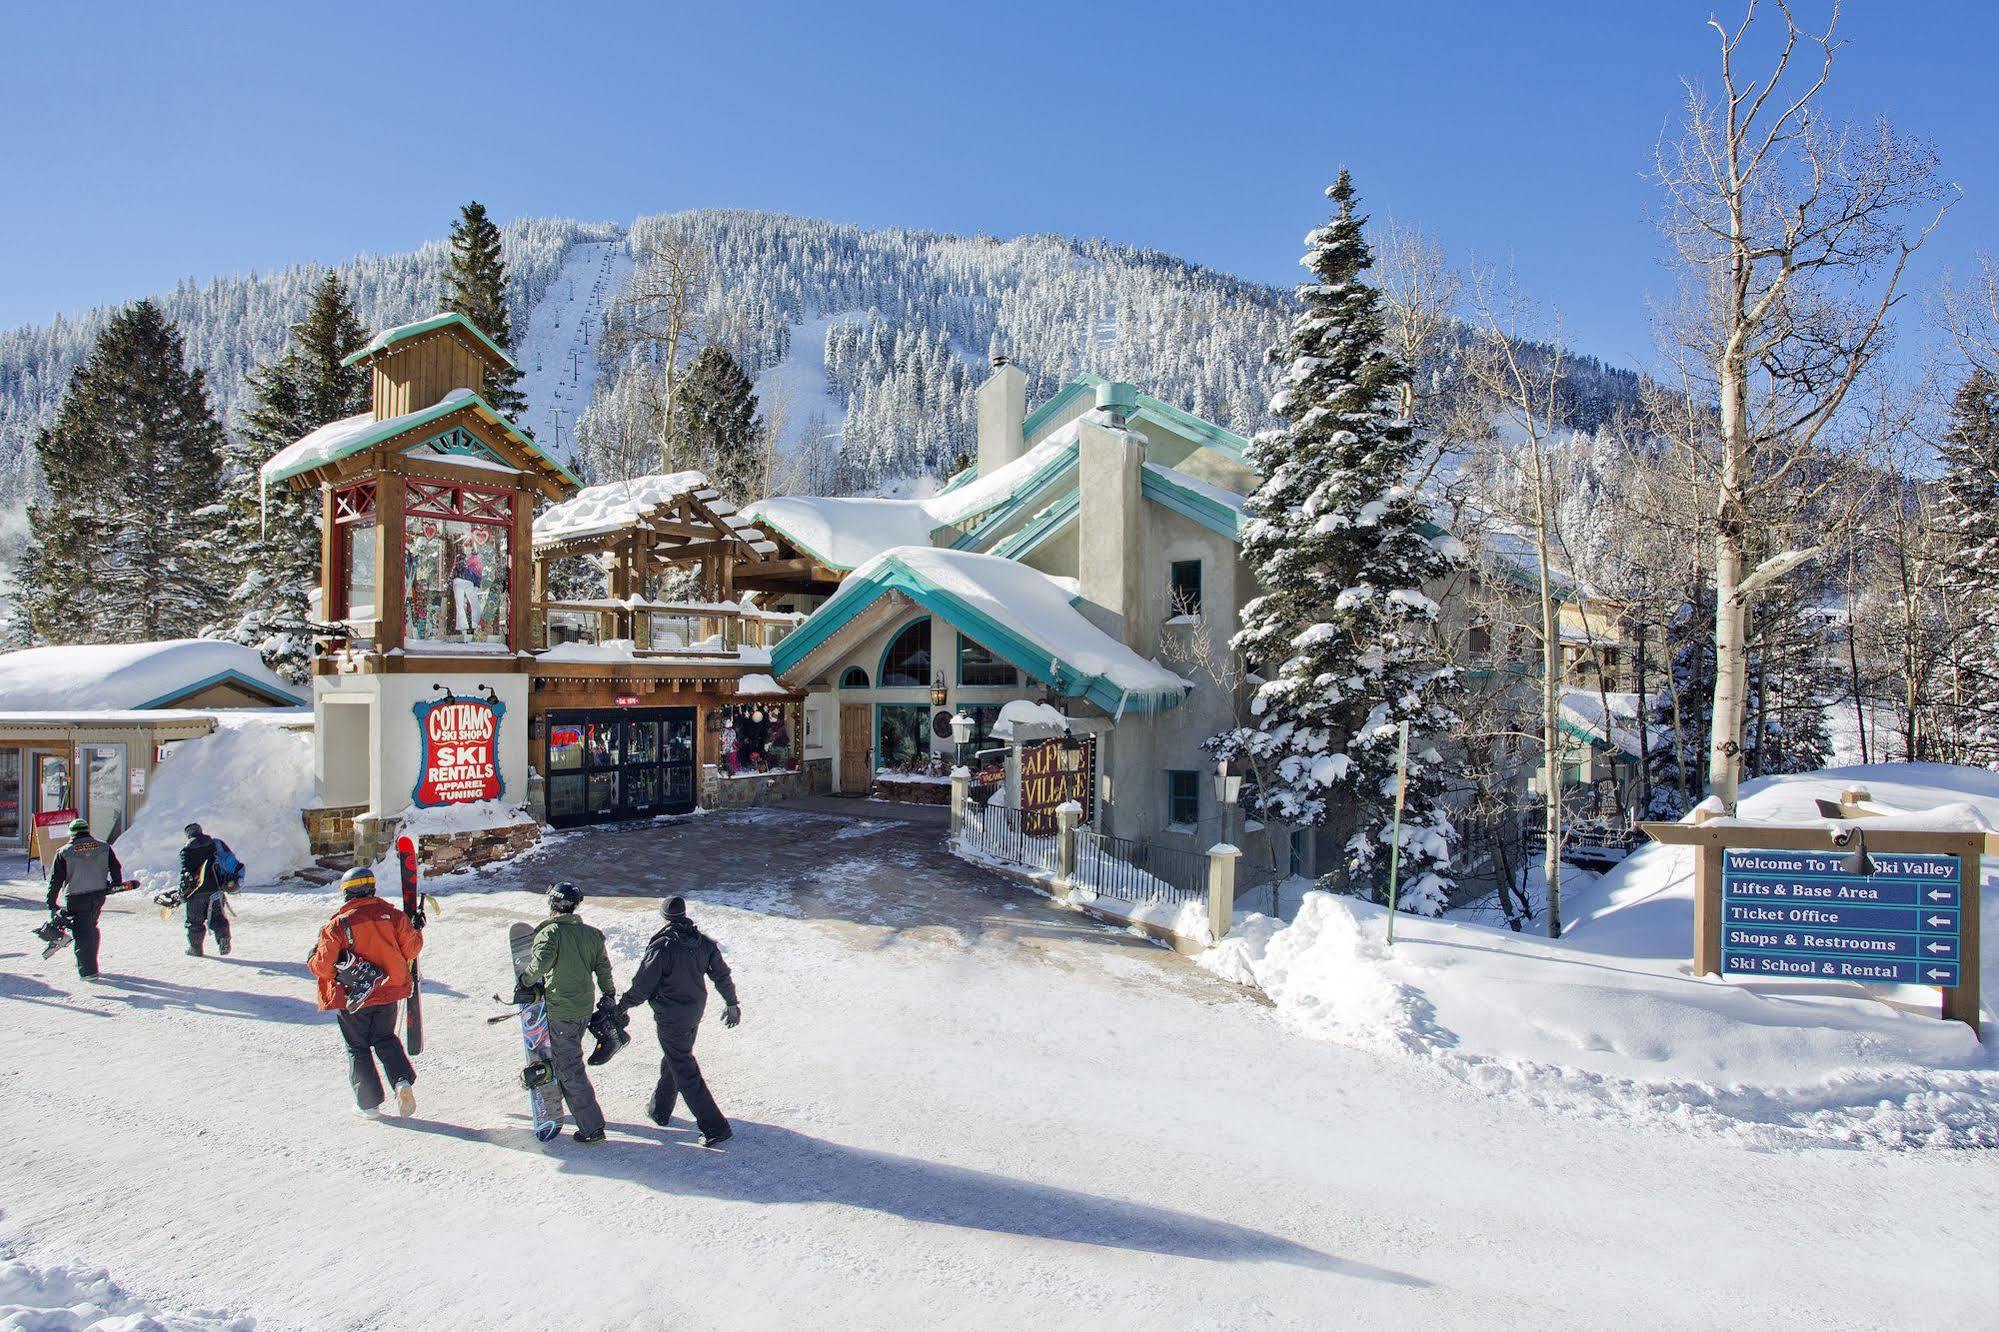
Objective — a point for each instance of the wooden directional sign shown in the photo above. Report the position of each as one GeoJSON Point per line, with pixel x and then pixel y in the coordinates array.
{"type": "Point", "coordinates": [1774, 901]}
{"type": "Point", "coordinates": [1798, 914]}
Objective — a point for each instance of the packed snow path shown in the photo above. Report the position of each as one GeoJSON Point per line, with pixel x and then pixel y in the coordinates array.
{"type": "Point", "coordinates": [955, 1106]}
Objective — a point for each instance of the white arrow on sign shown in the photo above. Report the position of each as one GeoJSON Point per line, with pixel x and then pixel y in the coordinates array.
{"type": "Point", "coordinates": [1938, 921]}
{"type": "Point", "coordinates": [1939, 948]}
{"type": "Point", "coordinates": [1939, 895]}
{"type": "Point", "coordinates": [1934, 974]}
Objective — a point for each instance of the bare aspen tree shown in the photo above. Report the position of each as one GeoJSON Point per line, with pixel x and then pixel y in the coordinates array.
{"type": "Point", "coordinates": [1794, 235]}
{"type": "Point", "coordinates": [1421, 295]}
{"type": "Point", "coordinates": [1526, 397]}
{"type": "Point", "coordinates": [658, 320]}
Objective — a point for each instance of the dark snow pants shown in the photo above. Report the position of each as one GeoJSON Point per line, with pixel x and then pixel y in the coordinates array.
{"type": "Point", "coordinates": [679, 1074]}
{"type": "Point", "coordinates": [573, 1077]}
{"type": "Point", "coordinates": [205, 912]}
{"type": "Point", "coordinates": [83, 912]}
{"type": "Point", "coordinates": [370, 1035]}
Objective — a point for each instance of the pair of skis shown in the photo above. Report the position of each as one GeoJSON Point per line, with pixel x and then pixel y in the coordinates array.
{"type": "Point", "coordinates": [413, 908]}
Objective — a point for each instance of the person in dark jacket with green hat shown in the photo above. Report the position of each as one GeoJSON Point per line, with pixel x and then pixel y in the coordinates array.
{"type": "Point", "coordinates": [571, 965]}
{"type": "Point", "coordinates": [680, 964]}
{"type": "Point", "coordinates": [85, 872]}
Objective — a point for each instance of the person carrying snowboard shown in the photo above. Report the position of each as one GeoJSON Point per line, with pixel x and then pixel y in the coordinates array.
{"type": "Point", "coordinates": [680, 962]}
{"type": "Point", "coordinates": [362, 959]}
{"type": "Point", "coordinates": [85, 870]}
{"type": "Point", "coordinates": [201, 888]}
{"type": "Point", "coordinates": [571, 965]}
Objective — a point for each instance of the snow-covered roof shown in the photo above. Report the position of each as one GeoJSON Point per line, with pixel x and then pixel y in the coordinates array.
{"type": "Point", "coordinates": [1583, 716]}
{"type": "Point", "coordinates": [132, 676]}
{"type": "Point", "coordinates": [389, 337]}
{"type": "Point", "coordinates": [339, 439]}
{"type": "Point", "coordinates": [617, 505]}
{"type": "Point", "coordinates": [1016, 612]}
{"type": "Point", "coordinates": [844, 533]}
{"type": "Point", "coordinates": [1025, 716]}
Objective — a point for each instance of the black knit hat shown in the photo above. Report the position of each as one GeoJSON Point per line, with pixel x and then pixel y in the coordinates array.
{"type": "Point", "coordinates": [674, 908]}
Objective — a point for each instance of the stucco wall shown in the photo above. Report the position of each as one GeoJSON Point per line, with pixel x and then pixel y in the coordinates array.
{"type": "Point", "coordinates": [395, 746]}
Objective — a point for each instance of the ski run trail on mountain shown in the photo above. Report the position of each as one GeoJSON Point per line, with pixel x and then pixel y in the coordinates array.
{"type": "Point", "coordinates": [986, 1117]}
{"type": "Point", "coordinates": [557, 353]}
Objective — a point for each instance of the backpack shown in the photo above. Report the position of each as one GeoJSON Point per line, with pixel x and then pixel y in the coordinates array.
{"type": "Point", "coordinates": [231, 869]}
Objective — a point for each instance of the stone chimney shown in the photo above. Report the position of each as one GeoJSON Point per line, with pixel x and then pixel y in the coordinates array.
{"type": "Point", "coordinates": [1002, 416]}
{"type": "Point", "coordinates": [1110, 554]}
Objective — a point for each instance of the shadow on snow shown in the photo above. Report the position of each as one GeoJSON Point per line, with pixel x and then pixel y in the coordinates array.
{"type": "Point", "coordinates": [771, 1165]}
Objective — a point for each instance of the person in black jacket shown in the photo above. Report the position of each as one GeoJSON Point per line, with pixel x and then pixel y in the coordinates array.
{"type": "Point", "coordinates": [201, 889]}
{"type": "Point", "coordinates": [85, 872]}
{"type": "Point", "coordinates": [673, 976]}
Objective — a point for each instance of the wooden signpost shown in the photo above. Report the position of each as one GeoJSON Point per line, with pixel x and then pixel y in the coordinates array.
{"type": "Point", "coordinates": [1881, 906]}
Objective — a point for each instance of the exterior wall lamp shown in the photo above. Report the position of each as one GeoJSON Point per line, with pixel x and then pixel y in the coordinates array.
{"type": "Point", "coordinates": [938, 692]}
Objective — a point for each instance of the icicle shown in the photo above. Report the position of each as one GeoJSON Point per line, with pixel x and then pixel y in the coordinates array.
{"type": "Point", "coordinates": [1118, 716]}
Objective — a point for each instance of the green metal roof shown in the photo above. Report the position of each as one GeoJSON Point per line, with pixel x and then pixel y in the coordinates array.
{"type": "Point", "coordinates": [1173, 490]}
{"type": "Point", "coordinates": [382, 431]}
{"type": "Point", "coordinates": [389, 337]}
{"type": "Point", "coordinates": [1042, 527]}
{"type": "Point", "coordinates": [1035, 661]}
{"type": "Point", "coordinates": [1004, 508]}
{"type": "Point", "coordinates": [1227, 441]}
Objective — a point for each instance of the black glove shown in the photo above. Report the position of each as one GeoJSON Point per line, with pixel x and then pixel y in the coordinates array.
{"type": "Point", "coordinates": [732, 1015]}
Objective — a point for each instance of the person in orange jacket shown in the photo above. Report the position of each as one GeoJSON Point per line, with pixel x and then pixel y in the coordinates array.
{"type": "Point", "coordinates": [362, 960]}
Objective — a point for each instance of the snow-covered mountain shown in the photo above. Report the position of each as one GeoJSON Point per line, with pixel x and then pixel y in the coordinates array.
{"type": "Point", "coordinates": [875, 338]}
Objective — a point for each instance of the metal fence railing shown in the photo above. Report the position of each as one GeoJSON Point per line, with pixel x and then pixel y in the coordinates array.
{"type": "Point", "coordinates": [1004, 834]}
{"type": "Point", "coordinates": [1130, 871]}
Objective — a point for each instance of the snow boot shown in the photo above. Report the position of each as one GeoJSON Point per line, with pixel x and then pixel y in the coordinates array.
{"type": "Point", "coordinates": [589, 1139]}
{"type": "Point", "coordinates": [713, 1140]}
{"type": "Point", "coordinates": [368, 1111]}
{"type": "Point", "coordinates": [192, 951]}
{"type": "Point", "coordinates": [222, 946]}
{"type": "Point", "coordinates": [405, 1099]}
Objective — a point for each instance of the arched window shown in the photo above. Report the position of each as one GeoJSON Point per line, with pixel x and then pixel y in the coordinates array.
{"type": "Point", "coordinates": [854, 678]}
{"type": "Point", "coordinates": [907, 661]}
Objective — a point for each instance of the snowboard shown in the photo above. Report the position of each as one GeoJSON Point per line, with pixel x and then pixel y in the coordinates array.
{"type": "Point", "coordinates": [413, 908]}
{"type": "Point", "coordinates": [538, 1075]}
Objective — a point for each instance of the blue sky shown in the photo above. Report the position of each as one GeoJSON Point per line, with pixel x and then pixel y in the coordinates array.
{"type": "Point", "coordinates": [148, 143]}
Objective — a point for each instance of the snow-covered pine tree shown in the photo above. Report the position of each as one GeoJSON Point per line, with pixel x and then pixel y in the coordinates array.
{"type": "Point", "coordinates": [718, 420]}
{"type": "Point", "coordinates": [1967, 523]}
{"type": "Point", "coordinates": [1342, 548]}
{"type": "Point", "coordinates": [124, 548]}
{"type": "Point", "coordinates": [272, 539]}
{"type": "Point", "coordinates": [475, 283]}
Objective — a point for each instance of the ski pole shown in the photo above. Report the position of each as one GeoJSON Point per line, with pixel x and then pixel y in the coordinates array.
{"type": "Point", "coordinates": [1395, 847]}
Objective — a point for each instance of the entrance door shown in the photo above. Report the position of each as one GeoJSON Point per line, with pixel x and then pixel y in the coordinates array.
{"type": "Point", "coordinates": [626, 764]}
{"type": "Point", "coordinates": [856, 746]}
{"type": "Point", "coordinates": [104, 790]}
{"type": "Point", "coordinates": [13, 820]}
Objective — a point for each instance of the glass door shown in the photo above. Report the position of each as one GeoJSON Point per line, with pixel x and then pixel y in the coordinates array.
{"type": "Point", "coordinates": [677, 793]}
{"type": "Point", "coordinates": [12, 822]}
{"type": "Point", "coordinates": [104, 790]}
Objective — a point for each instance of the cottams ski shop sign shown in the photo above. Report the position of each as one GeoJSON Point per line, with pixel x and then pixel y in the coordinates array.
{"type": "Point", "coordinates": [1799, 914]}
{"type": "Point", "coordinates": [460, 751]}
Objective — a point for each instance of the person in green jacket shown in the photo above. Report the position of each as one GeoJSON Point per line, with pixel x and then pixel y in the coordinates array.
{"type": "Point", "coordinates": [571, 965]}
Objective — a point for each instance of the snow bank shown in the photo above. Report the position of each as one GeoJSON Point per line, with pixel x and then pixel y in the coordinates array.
{"type": "Point", "coordinates": [474, 816]}
{"type": "Point", "coordinates": [72, 1299]}
{"type": "Point", "coordinates": [246, 784]}
{"type": "Point", "coordinates": [1609, 1020]}
{"type": "Point", "coordinates": [1026, 712]}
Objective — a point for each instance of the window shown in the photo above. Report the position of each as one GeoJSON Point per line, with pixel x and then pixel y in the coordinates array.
{"type": "Point", "coordinates": [907, 661]}
{"type": "Point", "coordinates": [1301, 852]}
{"type": "Point", "coordinates": [1183, 798]}
{"type": "Point", "coordinates": [357, 570]}
{"type": "Point", "coordinates": [853, 678]}
{"type": "Point", "coordinates": [758, 737]}
{"type": "Point", "coordinates": [1478, 639]}
{"type": "Point", "coordinates": [457, 558]}
{"type": "Point", "coordinates": [902, 735]}
{"type": "Point", "coordinates": [104, 790]}
{"type": "Point", "coordinates": [1186, 590]}
{"type": "Point", "coordinates": [977, 666]}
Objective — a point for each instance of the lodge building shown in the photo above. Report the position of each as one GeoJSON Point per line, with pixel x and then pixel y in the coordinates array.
{"type": "Point", "coordinates": [435, 571]}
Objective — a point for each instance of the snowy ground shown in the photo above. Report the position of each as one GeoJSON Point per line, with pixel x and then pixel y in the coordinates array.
{"type": "Point", "coordinates": [558, 353]}
{"type": "Point", "coordinates": [955, 1106]}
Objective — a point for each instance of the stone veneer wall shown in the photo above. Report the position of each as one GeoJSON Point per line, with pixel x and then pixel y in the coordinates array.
{"type": "Point", "coordinates": [329, 829]}
{"type": "Point", "coordinates": [819, 776]}
{"type": "Point", "coordinates": [720, 792]}
{"type": "Point", "coordinates": [448, 853]}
